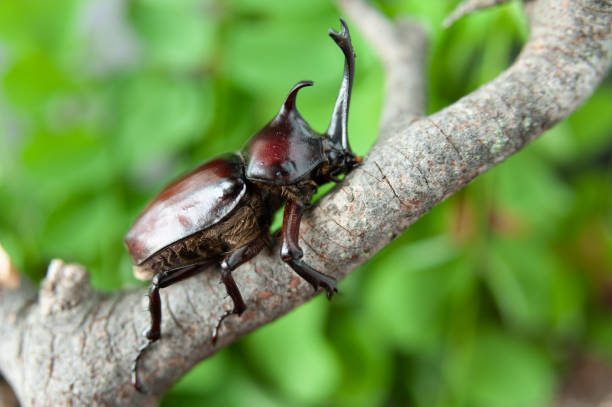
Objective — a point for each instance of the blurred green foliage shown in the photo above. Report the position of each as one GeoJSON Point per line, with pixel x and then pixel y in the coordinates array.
{"type": "Point", "coordinates": [481, 303]}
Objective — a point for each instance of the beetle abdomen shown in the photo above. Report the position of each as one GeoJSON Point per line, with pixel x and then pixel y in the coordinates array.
{"type": "Point", "coordinates": [194, 202]}
{"type": "Point", "coordinates": [243, 225]}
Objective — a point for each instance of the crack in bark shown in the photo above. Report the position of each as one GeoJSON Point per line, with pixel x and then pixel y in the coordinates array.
{"type": "Point", "coordinates": [384, 177]}
{"type": "Point", "coordinates": [350, 233]}
{"type": "Point", "coordinates": [171, 313]}
{"type": "Point", "coordinates": [305, 222]}
{"type": "Point", "coordinates": [575, 56]}
{"type": "Point", "coordinates": [20, 344]}
{"type": "Point", "coordinates": [316, 252]}
{"type": "Point", "coordinates": [51, 360]}
{"type": "Point", "coordinates": [448, 139]}
{"type": "Point", "coordinates": [415, 167]}
{"type": "Point", "coordinates": [598, 10]}
{"type": "Point", "coordinates": [111, 311]}
{"type": "Point", "coordinates": [557, 67]}
{"type": "Point", "coordinates": [191, 304]}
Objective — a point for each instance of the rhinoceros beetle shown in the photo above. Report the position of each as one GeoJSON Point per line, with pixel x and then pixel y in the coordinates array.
{"type": "Point", "coordinates": [221, 211]}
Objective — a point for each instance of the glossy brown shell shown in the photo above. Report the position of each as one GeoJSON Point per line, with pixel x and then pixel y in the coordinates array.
{"type": "Point", "coordinates": [190, 204]}
{"type": "Point", "coordinates": [287, 149]}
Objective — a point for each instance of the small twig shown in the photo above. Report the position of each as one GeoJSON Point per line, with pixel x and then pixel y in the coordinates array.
{"type": "Point", "coordinates": [469, 7]}
{"type": "Point", "coordinates": [63, 288]}
{"type": "Point", "coordinates": [9, 276]}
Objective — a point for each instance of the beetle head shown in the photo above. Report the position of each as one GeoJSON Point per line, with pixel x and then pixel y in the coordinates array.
{"type": "Point", "coordinates": [287, 149]}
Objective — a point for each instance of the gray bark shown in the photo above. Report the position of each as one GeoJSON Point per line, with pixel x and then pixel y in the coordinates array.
{"type": "Point", "coordinates": [69, 345]}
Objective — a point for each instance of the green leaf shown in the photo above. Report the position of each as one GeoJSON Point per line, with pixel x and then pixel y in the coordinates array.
{"type": "Point", "coordinates": [599, 337]}
{"type": "Point", "coordinates": [403, 296]}
{"type": "Point", "coordinates": [206, 376]}
{"type": "Point", "coordinates": [530, 188]}
{"type": "Point", "coordinates": [67, 164]}
{"type": "Point", "coordinates": [506, 372]}
{"type": "Point", "coordinates": [294, 356]}
{"type": "Point", "coordinates": [176, 35]}
{"type": "Point", "coordinates": [591, 123]}
{"type": "Point", "coordinates": [282, 9]}
{"type": "Point", "coordinates": [222, 382]}
{"type": "Point", "coordinates": [160, 116]}
{"type": "Point", "coordinates": [520, 277]}
{"type": "Point", "coordinates": [80, 229]}
{"type": "Point", "coordinates": [32, 80]}
{"type": "Point", "coordinates": [366, 361]}
{"type": "Point", "coordinates": [267, 57]}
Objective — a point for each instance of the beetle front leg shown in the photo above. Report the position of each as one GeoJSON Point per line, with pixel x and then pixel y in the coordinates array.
{"type": "Point", "coordinates": [291, 253]}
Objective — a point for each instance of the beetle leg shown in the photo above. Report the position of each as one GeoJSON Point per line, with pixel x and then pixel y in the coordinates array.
{"type": "Point", "coordinates": [269, 241]}
{"type": "Point", "coordinates": [333, 176]}
{"type": "Point", "coordinates": [229, 264]}
{"type": "Point", "coordinates": [291, 253]}
{"type": "Point", "coordinates": [161, 280]}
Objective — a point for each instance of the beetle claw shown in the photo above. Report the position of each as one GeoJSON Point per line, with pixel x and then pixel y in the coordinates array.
{"type": "Point", "coordinates": [331, 290]}
{"type": "Point", "coordinates": [328, 284]}
{"type": "Point", "coordinates": [215, 333]}
{"type": "Point", "coordinates": [152, 336]}
{"type": "Point", "coordinates": [333, 178]}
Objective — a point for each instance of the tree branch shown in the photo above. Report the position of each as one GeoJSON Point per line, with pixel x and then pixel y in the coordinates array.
{"type": "Point", "coordinates": [65, 348]}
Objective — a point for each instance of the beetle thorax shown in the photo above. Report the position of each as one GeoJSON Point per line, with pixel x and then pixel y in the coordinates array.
{"type": "Point", "coordinates": [338, 160]}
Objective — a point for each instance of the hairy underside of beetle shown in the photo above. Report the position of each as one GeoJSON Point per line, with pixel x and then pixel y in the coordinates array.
{"type": "Point", "coordinates": [301, 192]}
{"type": "Point", "coordinates": [243, 225]}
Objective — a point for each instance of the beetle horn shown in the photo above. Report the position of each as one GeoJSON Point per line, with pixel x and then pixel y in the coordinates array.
{"type": "Point", "coordinates": [338, 124]}
{"type": "Point", "coordinates": [289, 103]}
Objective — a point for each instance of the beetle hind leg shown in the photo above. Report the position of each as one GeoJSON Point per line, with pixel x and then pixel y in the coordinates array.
{"type": "Point", "coordinates": [161, 280]}
{"type": "Point", "coordinates": [229, 264]}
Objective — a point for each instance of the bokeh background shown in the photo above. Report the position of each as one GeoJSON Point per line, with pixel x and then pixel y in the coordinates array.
{"type": "Point", "coordinates": [485, 301]}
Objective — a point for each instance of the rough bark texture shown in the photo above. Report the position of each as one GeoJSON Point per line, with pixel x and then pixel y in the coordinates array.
{"type": "Point", "coordinates": [67, 346]}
